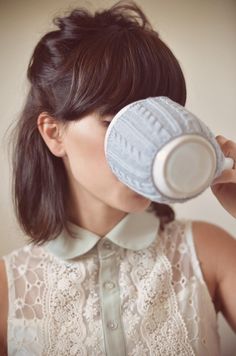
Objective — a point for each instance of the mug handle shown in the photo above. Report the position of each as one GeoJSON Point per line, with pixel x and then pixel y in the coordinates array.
{"type": "Point", "coordinates": [228, 163]}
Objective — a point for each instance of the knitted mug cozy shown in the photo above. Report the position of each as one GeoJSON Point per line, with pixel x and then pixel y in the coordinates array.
{"type": "Point", "coordinates": [162, 151]}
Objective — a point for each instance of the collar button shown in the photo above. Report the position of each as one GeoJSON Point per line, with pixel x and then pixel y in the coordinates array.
{"type": "Point", "coordinates": [107, 245]}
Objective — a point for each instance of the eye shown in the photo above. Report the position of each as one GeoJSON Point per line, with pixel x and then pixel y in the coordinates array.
{"type": "Point", "coordinates": [106, 123]}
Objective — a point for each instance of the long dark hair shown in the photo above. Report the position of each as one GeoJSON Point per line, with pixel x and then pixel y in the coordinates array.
{"type": "Point", "coordinates": [90, 62]}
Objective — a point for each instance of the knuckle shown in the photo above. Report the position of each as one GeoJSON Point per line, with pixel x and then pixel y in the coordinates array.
{"type": "Point", "coordinates": [230, 145]}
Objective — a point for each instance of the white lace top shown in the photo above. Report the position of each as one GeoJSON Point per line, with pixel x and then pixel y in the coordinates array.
{"type": "Point", "coordinates": [136, 291]}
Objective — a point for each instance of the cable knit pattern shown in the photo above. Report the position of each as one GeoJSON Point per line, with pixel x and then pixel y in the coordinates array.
{"type": "Point", "coordinates": [139, 131]}
{"type": "Point", "coordinates": [166, 310]}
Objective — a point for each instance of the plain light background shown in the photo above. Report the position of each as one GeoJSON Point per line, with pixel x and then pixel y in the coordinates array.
{"type": "Point", "coordinates": [202, 35]}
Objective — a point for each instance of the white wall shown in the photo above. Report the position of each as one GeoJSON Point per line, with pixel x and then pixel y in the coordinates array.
{"type": "Point", "coordinates": [202, 35]}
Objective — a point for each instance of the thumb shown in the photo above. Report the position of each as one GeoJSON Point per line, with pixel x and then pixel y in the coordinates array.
{"type": "Point", "coordinates": [227, 176]}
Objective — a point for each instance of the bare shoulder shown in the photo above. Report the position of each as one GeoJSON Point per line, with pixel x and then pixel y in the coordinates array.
{"type": "Point", "coordinates": [3, 307]}
{"type": "Point", "coordinates": [216, 250]}
{"type": "Point", "coordinates": [3, 281]}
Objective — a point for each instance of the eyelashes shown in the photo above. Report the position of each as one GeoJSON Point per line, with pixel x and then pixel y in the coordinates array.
{"type": "Point", "coordinates": [106, 123]}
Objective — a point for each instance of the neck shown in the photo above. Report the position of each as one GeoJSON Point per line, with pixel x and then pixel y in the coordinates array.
{"type": "Point", "coordinates": [92, 214]}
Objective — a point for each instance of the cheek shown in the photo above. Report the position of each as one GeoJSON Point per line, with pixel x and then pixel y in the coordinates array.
{"type": "Point", "coordinates": [87, 161]}
{"type": "Point", "coordinates": [88, 169]}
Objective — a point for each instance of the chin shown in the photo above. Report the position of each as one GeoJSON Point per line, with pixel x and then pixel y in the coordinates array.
{"type": "Point", "coordinates": [129, 201]}
{"type": "Point", "coordinates": [138, 205]}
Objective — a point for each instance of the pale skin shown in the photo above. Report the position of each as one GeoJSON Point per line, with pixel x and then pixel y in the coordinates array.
{"type": "Point", "coordinates": [95, 192]}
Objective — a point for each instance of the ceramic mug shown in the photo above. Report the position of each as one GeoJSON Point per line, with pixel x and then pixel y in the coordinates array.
{"type": "Point", "coordinates": [162, 151]}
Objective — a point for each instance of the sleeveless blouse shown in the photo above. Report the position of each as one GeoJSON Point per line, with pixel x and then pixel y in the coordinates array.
{"type": "Point", "coordinates": [136, 291]}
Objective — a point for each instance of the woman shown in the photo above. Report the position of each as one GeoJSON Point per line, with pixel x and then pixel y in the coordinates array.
{"type": "Point", "coordinates": [102, 274]}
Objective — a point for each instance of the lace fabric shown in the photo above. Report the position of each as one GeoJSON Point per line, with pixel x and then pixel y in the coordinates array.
{"type": "Point", "coordinates": [165, 306]}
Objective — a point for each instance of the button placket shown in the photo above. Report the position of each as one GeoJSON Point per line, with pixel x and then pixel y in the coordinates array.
{"type": "Point", "coordinates": [110, 300]}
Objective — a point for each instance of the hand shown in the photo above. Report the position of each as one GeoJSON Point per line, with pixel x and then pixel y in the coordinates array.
{"type": "Point", "coordinates": [224, 186]}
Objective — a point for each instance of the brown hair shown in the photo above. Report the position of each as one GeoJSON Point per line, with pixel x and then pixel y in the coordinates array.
{"type": "Point", "coordinates": [101, 63]}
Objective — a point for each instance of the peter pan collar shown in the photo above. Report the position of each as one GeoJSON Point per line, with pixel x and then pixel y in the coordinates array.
{"type": "Point", "coordinates": [135, 231]}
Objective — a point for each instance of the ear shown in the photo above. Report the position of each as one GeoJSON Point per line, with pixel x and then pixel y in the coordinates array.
{"type": "Point", "coordinates": [51, 131]}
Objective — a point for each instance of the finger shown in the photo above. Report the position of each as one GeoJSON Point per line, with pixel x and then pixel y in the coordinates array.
{"type": "Point", "coordinates": [221, 139]}
{"type": "Point", "coordinates": [227, 176]}
{"type": "Point", "coordinates": [229, 149]}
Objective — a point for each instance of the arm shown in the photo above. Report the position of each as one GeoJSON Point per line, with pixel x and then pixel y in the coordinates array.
{"type": "Point", "coordinates": [224, 186]}
{"type": "Point", "coordinates": [3, 309]}
{"type": "Point", "coordinates": [216, 250]}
